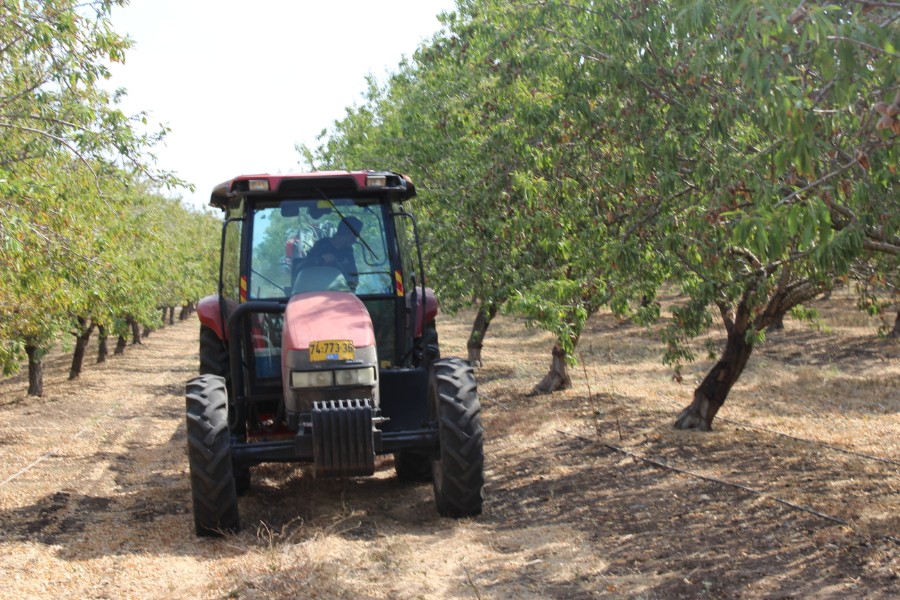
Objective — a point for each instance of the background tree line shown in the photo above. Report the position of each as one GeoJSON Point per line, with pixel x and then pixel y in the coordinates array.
{"type": "Point", "coordinates": [87, 237]}
{"type": "Point", "coordinates": [579, 154]}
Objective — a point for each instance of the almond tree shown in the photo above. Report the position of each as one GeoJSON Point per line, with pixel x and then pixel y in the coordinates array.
{"type": "Point", "coordinates": [62, 135]}
{"type": "Point", "coordinates": [767, 133]}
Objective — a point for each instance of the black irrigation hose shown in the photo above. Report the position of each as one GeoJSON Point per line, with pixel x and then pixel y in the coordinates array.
{"type": "Point", "coordinates": [739, 486]}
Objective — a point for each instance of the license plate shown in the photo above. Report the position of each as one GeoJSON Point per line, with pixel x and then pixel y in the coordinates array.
{"type": "Point", "coordinates": [331, 350]}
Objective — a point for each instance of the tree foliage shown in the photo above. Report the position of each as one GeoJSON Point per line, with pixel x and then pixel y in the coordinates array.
{"type": "Point", "coordinates": [575, 154]}
{"type": "Point", "coordinates": [85, 232]}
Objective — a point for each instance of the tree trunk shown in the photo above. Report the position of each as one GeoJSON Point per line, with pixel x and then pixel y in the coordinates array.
{"type": "Point", "coordinates": [486, 314]}
{"type": "Point", "coordinates": [147, 332]}
{"type": "Point", "coordinates": [120, 345]}
{"type": "Point", "coordinates": [777, 324]}
{"type": "Point", "coordinates": [135, 331]}
{"type": "Point", "coordinates": [895, 333]}
{"type": "Point", "coordinates": [711, 393]}
{"type": "Point", "coordinates": [85, 327]}
{"type": "Point", "coordinates": [35, 370]}
{"type": "Point", "coordinates": [171, 315]}
{"type": "Point", "coordinates": [558, 376]}
{"type": "Point", "coordinates": [185, 311]}
{"type": "Point", "coordinates": [102, 346]}
{"type": "Point", "coordinates": [165, 309]}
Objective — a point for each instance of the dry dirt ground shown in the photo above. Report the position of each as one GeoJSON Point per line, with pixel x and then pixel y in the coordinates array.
{"type": "Point", "coordinates": [95, 500]}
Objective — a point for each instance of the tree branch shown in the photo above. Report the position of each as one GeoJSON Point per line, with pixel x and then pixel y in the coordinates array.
{"type": "Point", "coordinates": [816, 183]}
{"type": "Point", "coordinates": [882, 247]}
{"type": "Point", "coordinates": [68, 145]}
{"type": "Point", "coordinates": [864, 45]}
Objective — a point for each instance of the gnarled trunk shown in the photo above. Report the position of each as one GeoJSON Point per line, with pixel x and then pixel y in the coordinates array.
{"type": "Point", "coordinates": [35, 370]}
{"type": "Point", "coordinates": [557, 378]}
{"type": "Point", "coordinates": [120, 345]}
{"type": "Point", "coordinates": [102, 346]}
{"type": "Point", "coordinates": [486, 314]}
{"type": "Point", "coordinates": [85, 327]}
{"type": "Point", "coordinates": [739, 320]}
{"type": "Point", "coordinates": [185, 311]}
{"type": "Point", "coordinates": [710, 395]}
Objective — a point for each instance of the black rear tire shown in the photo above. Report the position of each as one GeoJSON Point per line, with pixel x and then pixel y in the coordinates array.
{"type": "Point", "coordinates": [209, 453]}
{"type": "Point", "coordinates": [458, 468]}
{"type": "Point", "coordinates": [214, 359]}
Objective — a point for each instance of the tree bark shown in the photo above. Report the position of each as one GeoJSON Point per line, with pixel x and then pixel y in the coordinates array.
{"type": "Point", "coordinates": [740, 319]}
{"type": "Point", "coordinates": [710, 395]}
{"type": "Point", "coordinates": [171, 315]}
{"type": "Point", "coordinates": [777, 324]}
{"type": "Point", "coordinates": [120, 345]}
{"type": "Point", "coordinates": [135, 331]}
{"type": "Point", "coordinates": [557, 378]}
{"type": "Point", "coordinates": [102, 346]}
{"type": "Point", "coordinates": [35, 370]}
{"type": "Point", "coordinates": [165, 310]}
{"type": "Point", "coordinates": [486, 314]}
{"type": "Point", "coordinates": [184, 312]}
{"type": "Point", "coordinates": [895, 333]}
{"type": "Point", "coordinates": [146, 333]}
{"type": "Point", "coordinates": [85, 327]}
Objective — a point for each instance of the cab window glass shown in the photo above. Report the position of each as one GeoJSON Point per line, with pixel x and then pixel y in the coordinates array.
{"type": "Point", "coordinates": [308, 245]}
{"type": "Point", "coordinates": [231, 256]}
{"type": "Point", "coordinates": [407, 247]}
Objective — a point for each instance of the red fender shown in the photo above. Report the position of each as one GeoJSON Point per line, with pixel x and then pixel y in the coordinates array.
{"type": "Point", "coordinates": [210, 314]}
{"type": "Point", "coordinates": [431, 308]}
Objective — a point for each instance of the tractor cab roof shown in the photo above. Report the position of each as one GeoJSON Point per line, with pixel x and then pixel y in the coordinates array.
{"type": "Point", "coordinates": [373, 184]}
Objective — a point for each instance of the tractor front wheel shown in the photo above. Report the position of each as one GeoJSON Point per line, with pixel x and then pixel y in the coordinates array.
{"type": "Point", "coordinates": [458, 467]}
{"type": "Point", "coordinates": [209, 453]}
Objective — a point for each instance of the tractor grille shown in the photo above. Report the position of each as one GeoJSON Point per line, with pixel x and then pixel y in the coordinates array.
{"type": "Point", "coordinates": [343, 439]}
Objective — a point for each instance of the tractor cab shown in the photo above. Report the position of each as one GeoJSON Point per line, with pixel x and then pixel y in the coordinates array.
{"type": "Point", "coordinates": [322, 339]}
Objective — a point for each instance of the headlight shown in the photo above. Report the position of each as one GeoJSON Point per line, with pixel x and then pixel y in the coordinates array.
{"type": "Point", "coordinates": [364, 376]}
{"type": "Point", "coordinates": [308, 379]}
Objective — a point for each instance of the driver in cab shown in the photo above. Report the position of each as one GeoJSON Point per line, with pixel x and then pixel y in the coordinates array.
{"type": "Point", "coordinates": [337, 251]}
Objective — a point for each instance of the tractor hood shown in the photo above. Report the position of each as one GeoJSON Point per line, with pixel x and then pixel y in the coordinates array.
{"type": "Point", "coordinates": [322, 316]}
{"type": "Point", "coordinates": [328, 351]}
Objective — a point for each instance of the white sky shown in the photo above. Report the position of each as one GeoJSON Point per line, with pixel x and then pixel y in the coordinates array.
{"type": "Point", "coordinates": [240, 83]}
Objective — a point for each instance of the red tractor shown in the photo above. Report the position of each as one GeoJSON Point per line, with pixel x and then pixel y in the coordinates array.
{"type": "Point", "coordinates": [330, 357]}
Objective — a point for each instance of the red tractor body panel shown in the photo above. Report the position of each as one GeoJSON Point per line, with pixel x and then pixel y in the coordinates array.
{"type": "Point", "coordinates": [210, 314]}
{"type": "Point", "coordinates": [319, 316]}
{"type": "Point", "coordinates": [431, 308]}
